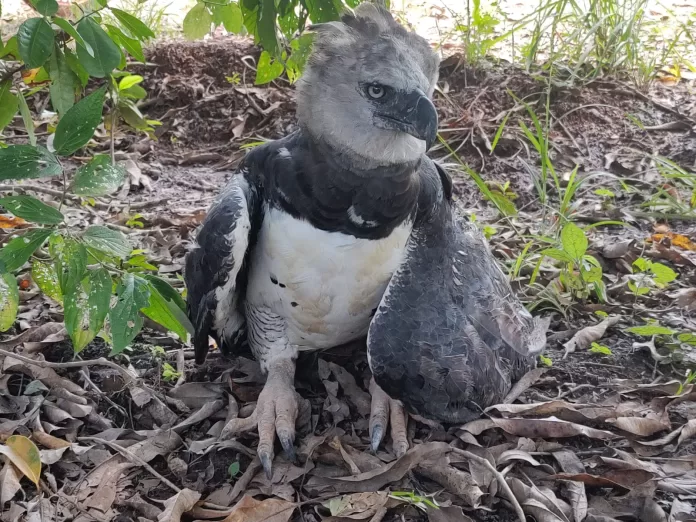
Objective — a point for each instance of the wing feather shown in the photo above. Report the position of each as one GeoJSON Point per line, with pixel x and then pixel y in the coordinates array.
{"type": "Point", "coordinates": [449, 336]}
{"type": "Point", "coordinates": [215, 271]}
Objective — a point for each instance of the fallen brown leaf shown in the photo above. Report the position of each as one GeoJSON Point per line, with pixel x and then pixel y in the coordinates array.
{"type": "Point", "coordinates": [539, 428]}
{"type": "Point", "coordinates": [357, 506]}
{"type": "Point", "coordinates": [251, 510]}
{"type": "Point", "coordinates": [376, 479]}
{"type": "Point", "coordinates": [9, 483]}
{"type": "Point", "coordinates": [575, 493]}
{"type": "Point", "coordinates": [177, 505]}
{"type": "Point", "coordinates": [447, 514]}
{"type": "Point", "coordinates": [588, 335]}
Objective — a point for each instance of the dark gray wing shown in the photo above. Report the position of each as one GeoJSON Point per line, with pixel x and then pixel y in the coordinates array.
{"type": "Point", "coordinates": [216, 269]}
{"type": "Point", "coordinates": [449, 336]}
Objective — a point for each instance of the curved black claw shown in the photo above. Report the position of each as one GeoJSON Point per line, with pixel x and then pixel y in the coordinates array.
{"type": "Point", "coordinates": [377, 434]}
{"type": "Point", "coordinates": [267, 463]}
{"type": "Point", "coordinates": [289, 447]}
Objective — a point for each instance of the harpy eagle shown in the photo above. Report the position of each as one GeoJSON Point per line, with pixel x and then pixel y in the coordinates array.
{"type": "Point", "coordinates": [345, 229]}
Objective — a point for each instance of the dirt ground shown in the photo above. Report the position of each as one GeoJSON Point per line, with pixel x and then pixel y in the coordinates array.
{"type": "Point", "coordinates": [591, 437]}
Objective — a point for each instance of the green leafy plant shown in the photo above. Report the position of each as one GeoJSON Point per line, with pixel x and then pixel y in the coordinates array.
{"type": "Point", "coordinates": [169, 373]}
{"type": "Point", "coordinates": [276, 26]}
{"type": "Point", "coordinates": [106, 288]}
{"type": "Point", "coordinates": [233, 469]}
{"type": "Point", "coordinates": [578, 41]}
{"type": "Point", "coordinates": [419, 501]}
{"type": "Point", "coordinates": [478, 30]}
{"type": "Point", "coordinates": [581, 272]}
{"type": "Point", "coordinates": [600, 349]}
{"type": "Point", "coordinates": [648, 275]}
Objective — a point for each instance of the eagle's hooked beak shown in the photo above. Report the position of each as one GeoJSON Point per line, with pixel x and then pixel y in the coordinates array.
{"type": "Point", "coordinates": [413, 114]}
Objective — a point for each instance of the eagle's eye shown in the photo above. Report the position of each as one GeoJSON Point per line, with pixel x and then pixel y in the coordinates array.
{"type": "Point", "coordinates": [375, 91]}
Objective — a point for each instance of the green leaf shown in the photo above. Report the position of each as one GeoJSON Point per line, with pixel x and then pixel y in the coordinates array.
{"type": "Point", "coordinates": [233, 469]}
{"type": "Point", "coordinates": [107, 55]}
{"type": "Point", "coordinates": [134, 26]}
{"type": "Point", "coordinates": [18, 251]}
{"type": "Point", "coordinates": [86, 306]}
{"type": "Point", "coordinates": [164, 308]}
{"type": "Point", "coordinates": [129, 81]}
{"type": "Point", "coordinates": [136, 93]}
{"type": "Point", "coordinates": [574, 241]}
{"type": "Point", "coordinates": [606, 193]}
{"type": "Point", "coordinates": [133, 46]}
{"type": "Point", "coordinates": [32, 209]}
{"type": "Point", "coordinates": [591, 274]}
{"type": "Point", "coordinates": [98, 178]}
{"type": "Point", "coordinates": [76, 67]}
{"type": "Point", "coordinates": [8, 104]}
{"type": "Point", "coordinates": [268, 69]}
{"type": "Point", "coordinates": [132, 115]}
{"type": "Point", "coordinates": [230, 16]}
{"type": "Point", "coordinates": [10, 49]}
{"type": "Point", "coordinates": [25, 161]}
{"type": "Point", "coordinates": [687, 337]}
{"type": "Point", "coordinates": [106, 240]}
{"type": "Point", "coordinates": [321, 11]}
{"type": "Point", "coordinates": [69, 29]}
{"type": "Point", "coordinates": [46, 278]}
{"type": "Point", "coordinates": [266, 26]}
{"type": "Point", "coordinates": [63, 83]}
{"type": "Point", "coordinates": [557, 254]}
{"type": "Point", "coordinates": [45, 7]}
{"type": "Point", "coordinates": [301, 48]}
{"type": "Point", "coordinates": [9, 300]}
{"type": "Point", "coordinates": [125, 319]}
{"type": "Point", "coordinates": [546, 361]}
{"type": "Point", "coordinates": [26, 117]}
{"type": "Point", "coordinates": [650, 330]}
{"type": "Point", "coordinates": [70, 262]}
{"type": "Point", "coordinates": [35, 42]}
{"type": "Point", "coordinates": [638, 290]}
{"type": "Point", "coordinates": [197, 22]}
{"type": "Point", "coordinates": [642, 264]}
{"type": "Point", "coordinates": [77, 127]}
{"type": "Point", "coordinates": [662, 274]}
{"type": "Point", "coordinates": [168, 292]}
{"type": "Point", "coordinates": [600, 349]}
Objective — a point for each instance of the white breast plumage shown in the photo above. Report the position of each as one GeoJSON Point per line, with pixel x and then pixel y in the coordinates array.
{"type": "Point", "coordinates": [325, 285]}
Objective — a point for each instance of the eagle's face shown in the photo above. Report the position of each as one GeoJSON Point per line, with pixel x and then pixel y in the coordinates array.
{"type": "Point", "coordinates": [367, 88]}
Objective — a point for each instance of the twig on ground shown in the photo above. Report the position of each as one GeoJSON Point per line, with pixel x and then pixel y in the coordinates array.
{"type": "Point", "coordinates": [240, 486]}
{"type": "Point", "coordinates": [180, 368]}
{"type": "Point", "coordinates": [72, 364]}
{"type": "Point", "coordinates": [132, 457]}
{"type": "Point", "coordinates": [103, 395]}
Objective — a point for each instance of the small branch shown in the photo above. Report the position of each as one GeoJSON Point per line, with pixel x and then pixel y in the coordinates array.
{"type": "Point", "coordinates": [73, 364]}
{"type": "Point", "coordinates": [501, 480]}
{"type": "Point", "coordinates": [103, 395]}
{"type": "Point", "coordinates": [132, 457]}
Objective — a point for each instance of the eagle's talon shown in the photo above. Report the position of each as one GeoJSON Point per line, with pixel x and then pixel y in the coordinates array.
{"type": "Point", "coordinates": [384, 407]}
{"type": "Point", "coordinates": [276, 411]}
{"type": "Point", "coordinates": [267, 463]}
{"type": "Point", "coordinates": [376, 437]}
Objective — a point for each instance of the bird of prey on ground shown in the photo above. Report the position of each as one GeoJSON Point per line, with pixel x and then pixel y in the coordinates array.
{"type": "Point", "coordinates": [345, 229]}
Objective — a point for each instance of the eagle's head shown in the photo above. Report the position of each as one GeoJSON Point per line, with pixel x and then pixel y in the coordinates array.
{"type": "Point", "coordinates": [367, 88]}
